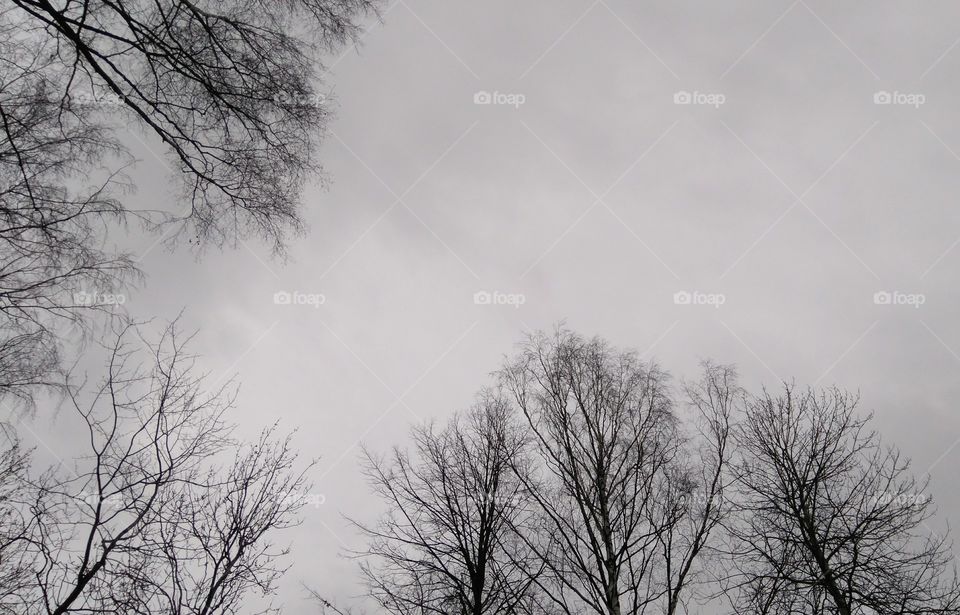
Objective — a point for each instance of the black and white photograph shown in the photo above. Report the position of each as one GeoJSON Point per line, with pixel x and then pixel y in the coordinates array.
{"type": "Point", "coordinates": [433, 307]}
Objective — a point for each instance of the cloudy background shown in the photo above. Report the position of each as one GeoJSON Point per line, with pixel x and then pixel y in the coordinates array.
{"type": "Point", "coordinates": [782, 199]}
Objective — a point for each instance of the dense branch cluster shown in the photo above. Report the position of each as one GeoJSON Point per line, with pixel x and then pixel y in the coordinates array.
{"type": "Point", "coordinates": [457, 500]}
{"type": "Point", "coordinates": [837, 524]}
{"type": "Point", "coordinates": [229, 88]}
{"type": "Point", "coordinates": [164, 512]}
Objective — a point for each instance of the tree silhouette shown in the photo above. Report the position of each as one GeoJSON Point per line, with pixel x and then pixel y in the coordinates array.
{"type": "Point", "coordinates": [606, 438]}
{"type": "Point", "coordinates": [165, 512]}
{"type": "Point", "coordinates": [229, 87]}
{"type": "Point", "coordinates": [447, 542]}
{"type": "Point", "coordinates": [834, 521]}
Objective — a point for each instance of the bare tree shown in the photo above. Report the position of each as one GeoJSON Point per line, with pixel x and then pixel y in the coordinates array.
{"type": "Point", "coordinates": [447, 544]}
{"type": "Point", "coordinates": [695, 512]}
{"type": "Point", "coordinates": [606, 437]}
{"type": "Point", "coordinates": [230, 87]}
{"type": "Point", "coordinates": [227, 86]}
{"type": "Point", "coordinates": [835, 523]}
{"type": "Point", "coordinates": [155, 517]}
{"type": "Point", "coordinates": [14, 524]}
{"type": "Point", "coordinates": [627, 505]}
{"type": "Point", "coordinates": [51, 235]}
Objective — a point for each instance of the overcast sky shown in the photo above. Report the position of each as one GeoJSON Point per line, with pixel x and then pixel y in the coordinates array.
{"type": "Point", "coordinates": [781, 200]}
